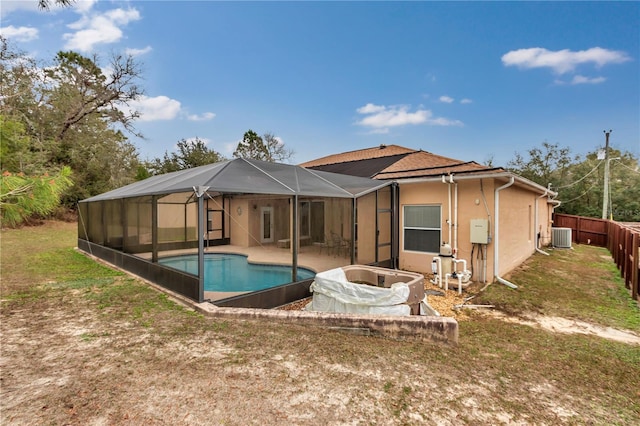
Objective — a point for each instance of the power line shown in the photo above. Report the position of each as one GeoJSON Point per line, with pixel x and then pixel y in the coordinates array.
{"type": "Point", "coordinates": [624, 165]}
{"type": "Point", "coordinates": [581, 195]}
{"type": "Point", "coordinates": [583, 177]}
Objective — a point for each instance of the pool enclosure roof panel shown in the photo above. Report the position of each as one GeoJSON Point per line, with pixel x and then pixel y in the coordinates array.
{"type": "Point", "coordinates": [246, 176]}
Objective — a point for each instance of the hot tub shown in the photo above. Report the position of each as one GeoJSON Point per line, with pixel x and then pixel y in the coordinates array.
{"type": "Point", "coordinates": [368, 289]}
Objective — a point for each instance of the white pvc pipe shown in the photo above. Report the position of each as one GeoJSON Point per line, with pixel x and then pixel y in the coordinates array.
{"type": "Point", "coordinates": [464, 265]}
{"type": "Point", "coordinates": [446, 284]}
{"type": "Point", "coordinates": [496, 235]}
{"type": "Point", "coordinates": [439, 274]}
{"type": "Point", "coordinates": [535, 226]}
{"type": "Point", "coordinates": [449, 209]}
{"type": "Point", "coordinates": [455, 218]}
{"type": "Point", "coordinates": [462, 273]}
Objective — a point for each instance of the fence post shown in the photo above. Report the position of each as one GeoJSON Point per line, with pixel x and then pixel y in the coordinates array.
{"type": "Point", "coordinates": [635, 266]}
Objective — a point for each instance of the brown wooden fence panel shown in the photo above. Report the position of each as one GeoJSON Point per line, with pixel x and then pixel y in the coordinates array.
{"type": "Point", "coordinates": [584, 230]}
{"type": "Point", "coordinates": [622, 241]}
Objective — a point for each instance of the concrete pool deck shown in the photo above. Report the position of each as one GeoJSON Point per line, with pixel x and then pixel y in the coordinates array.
{"type": "Point", "coordinates": [308, 257]}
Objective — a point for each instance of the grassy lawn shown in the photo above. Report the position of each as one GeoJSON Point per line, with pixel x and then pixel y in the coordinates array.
{"type": "Point", "coordinates": [581, 283]}
{"type": "Point", "coordinates": [83, 344]}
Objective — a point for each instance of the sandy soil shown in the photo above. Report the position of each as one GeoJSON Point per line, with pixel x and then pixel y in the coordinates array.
{"type": "Point", "coordinates": [69, 359]}
{"type": "Point", "coordinates": [570, 326]}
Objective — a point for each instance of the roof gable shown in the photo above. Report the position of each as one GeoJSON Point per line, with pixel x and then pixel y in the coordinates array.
{"type": "Point", "coordinates": [395, 162]}
{"type": "Point", "coordinates": [364, 168]}
{"type": "Point", "coordinates": [359, 155]}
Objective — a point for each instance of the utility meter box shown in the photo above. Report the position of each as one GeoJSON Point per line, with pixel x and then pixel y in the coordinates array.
{"type": "Point", "coordinates": [479, 231]}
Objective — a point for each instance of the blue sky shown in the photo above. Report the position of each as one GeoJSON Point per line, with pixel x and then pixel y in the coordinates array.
{"type": "Point", "coordinates": [468, 80]}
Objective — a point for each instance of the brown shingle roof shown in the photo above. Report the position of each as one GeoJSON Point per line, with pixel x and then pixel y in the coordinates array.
{"type": "Point", "coordinates": [361, 154]}
{"type": "Point", "coordinates": [402, 163]}
{"type": "Point", "coordinates": [425, 164]}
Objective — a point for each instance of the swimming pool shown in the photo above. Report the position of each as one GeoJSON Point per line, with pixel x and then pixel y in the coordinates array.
{"type": "Point", "coordinates": [232, 272]}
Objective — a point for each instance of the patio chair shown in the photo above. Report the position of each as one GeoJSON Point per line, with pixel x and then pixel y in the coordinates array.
{"type": "Point", "coordinates": [324, 244]}
{"type": "Point", "coordinates": [336, 243]}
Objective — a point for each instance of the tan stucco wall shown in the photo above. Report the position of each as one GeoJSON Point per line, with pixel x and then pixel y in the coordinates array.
{"type": "Point", "coordinates": [516, 227]}
{"type": "Point", "coordinates": [239, 223]}
{"type": "Point", "coordinates": [470, 206]}
{"type": "Point", "coordinates": [517, 222]}
{"type": "Point", "coordinates": [245, 227]}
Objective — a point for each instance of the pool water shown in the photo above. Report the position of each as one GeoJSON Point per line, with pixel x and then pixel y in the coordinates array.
{"type": "Point", "coordinates": [232, 272]}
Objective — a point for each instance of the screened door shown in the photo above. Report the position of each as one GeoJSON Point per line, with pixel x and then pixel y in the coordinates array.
{"type": "Point", "coordinates": [266, 225]}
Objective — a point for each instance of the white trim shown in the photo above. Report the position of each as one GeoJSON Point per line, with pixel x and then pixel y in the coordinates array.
{"type": "Point", "coordinates": [458, 177]}
{"type": "Point", "coordinates": [405, 227]}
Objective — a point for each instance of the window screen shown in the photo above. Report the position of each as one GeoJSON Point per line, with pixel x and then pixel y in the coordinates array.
{"type": "Point", "coordinates": [422, 226]}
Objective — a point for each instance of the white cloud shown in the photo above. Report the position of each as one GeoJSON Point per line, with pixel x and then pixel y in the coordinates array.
{"type": "Point", "coordinates": [466, 101]}
{"type": "Point", "coordinates": [370, 109]}
{"type": "Point", "coordinates": [202, 117]}
{"type": "Point", "coordinates": [9, 6]}
{"type": "Point", "coordinates": [580, 79]}
{"type": "Point", "coordinates": [446, 99]}
{"type": "Point", "coordinates": [98, 28]}
{"type": "Point", "coordinates": [562, 61]}
{"type": "Point", "coordinates": [379, 117]}
{"type": "Point", "coordinates": [84, 6]}
{"type": "Point", "coordinates": [19, 33]}
{"type": "Point", "coordinates": [156, 108]}
{"type": "Point", "coordinates": [138, 52]}
{"type": "Point", "coordinates": [163, 108]}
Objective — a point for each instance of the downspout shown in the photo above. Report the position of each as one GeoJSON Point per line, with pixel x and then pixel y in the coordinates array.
{"type": "Point", "coordinates": [455, 217]}
{"type": "Point", "coordinates": [555, 203]}
{"type": "Point", "coordinates": [496, 235]}
{"type": "Point", "coordinates": [535, 226]}
{"type": "Point", "coordinates": [444, 180]}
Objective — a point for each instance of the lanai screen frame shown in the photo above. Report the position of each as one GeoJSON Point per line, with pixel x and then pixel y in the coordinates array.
{"type": "Point", "coordinates": [103, 224]}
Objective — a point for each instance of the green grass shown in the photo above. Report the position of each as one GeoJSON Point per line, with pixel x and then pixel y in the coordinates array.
{"type": "Point", "coordinates": [581, 283]}
{"type": "Point", "coordinates": [599, 375]}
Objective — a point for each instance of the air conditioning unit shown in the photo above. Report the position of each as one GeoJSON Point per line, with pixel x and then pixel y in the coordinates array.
{"type": "Point", "coordinates": [561, 237]}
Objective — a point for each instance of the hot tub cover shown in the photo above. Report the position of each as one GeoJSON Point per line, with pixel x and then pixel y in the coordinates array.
{"type": "Point", "coordinates": [332, 292]}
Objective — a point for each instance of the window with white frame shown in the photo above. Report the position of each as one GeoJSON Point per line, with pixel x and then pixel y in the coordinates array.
{"type": "Point", "coordinates": [422, 228]}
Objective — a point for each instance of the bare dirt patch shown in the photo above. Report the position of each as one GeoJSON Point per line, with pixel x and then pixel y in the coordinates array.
{"type": "Point", "coordinates": [569, 326]}
{"type": "Point", "coordinates": [78, 350]}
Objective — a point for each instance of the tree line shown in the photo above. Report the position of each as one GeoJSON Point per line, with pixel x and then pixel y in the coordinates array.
{"type": "Point", "coordinates": [579, 180]}
{"type": "Point", "coordinates": [65, 127]}
{"type": "Point", "coordinates": [67, 123]}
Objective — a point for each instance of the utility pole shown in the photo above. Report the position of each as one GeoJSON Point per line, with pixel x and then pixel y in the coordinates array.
{"type": "Point", "coordinates": [605, 192]}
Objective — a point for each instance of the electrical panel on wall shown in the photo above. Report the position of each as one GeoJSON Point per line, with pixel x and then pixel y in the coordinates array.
{"type": "Point", "coordinates": [479, 231]}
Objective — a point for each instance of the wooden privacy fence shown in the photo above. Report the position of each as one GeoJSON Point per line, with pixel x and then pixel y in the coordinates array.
{"type": "Point", "coordinates": [624, 241]}
{"type": "Point", "coordinates": [584, 230]}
